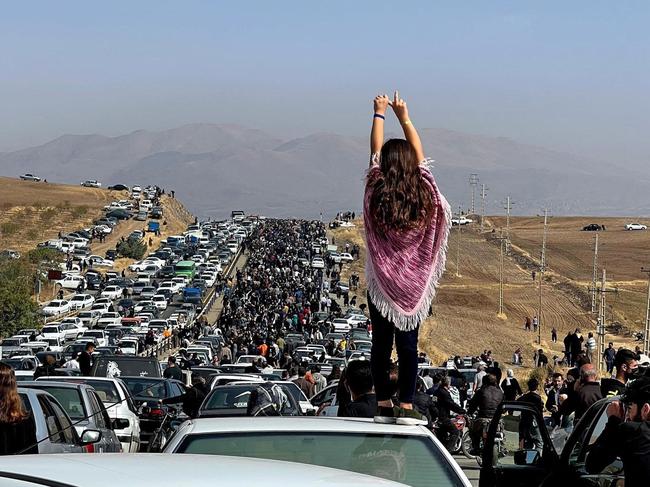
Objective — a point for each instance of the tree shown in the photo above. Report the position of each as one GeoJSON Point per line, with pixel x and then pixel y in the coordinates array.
{"type": "Point", "coordinates": [17, 308]}
{"type": "Point", "coordinates": [134, 249]}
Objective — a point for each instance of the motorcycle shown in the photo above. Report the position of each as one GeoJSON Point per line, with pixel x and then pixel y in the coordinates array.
{"type": "Point", "coordinates": [166, 429]}
{"type": "Point", "coordinates": [499, 446]}
{"type": "Point", "coordinates": [453, 445]}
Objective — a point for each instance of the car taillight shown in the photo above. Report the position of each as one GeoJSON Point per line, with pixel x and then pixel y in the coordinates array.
{"type": "Point", "coordinates": [89, 448]}
{"type": "Point", "coordinates": [156, 412]}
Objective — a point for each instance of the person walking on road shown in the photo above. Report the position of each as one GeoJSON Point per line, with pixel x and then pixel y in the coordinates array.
{"type": "Point", "coordinates": [173, 371]}
{"type": "Point", "coordinates": [407, 222]}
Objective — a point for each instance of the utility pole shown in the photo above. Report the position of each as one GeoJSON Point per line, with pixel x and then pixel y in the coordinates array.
{"type": "Point", "coordinates": [594, 276]}
{"type": "Point", "coordinates": [600, 322]}
{"type": "Point", "coordinates": [502, 240]}
{"type": "Point", "coordinates": [458, 244]}
{"type": "Point", "coordinates": [542, 268]}
{"type": "Point", "coordinates": [473, 182]}
{"type": "Point", "coordinates": [508, 206]}
{"type": "Point", "coordinates": [483, 194]}
{"type": "Point", "coordinates": [646, 334]}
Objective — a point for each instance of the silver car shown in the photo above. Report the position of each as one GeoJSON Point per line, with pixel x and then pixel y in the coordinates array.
{"type": "Point", "coordinates": [85, 409]}
{"type": "Point", "coordinates": [54, 430]}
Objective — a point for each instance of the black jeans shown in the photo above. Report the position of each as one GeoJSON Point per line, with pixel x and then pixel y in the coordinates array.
{"type": "Point", "coordinates": [406, 342]}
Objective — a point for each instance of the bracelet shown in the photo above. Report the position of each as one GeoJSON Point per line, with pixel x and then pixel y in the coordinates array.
{"type": "Point", "coordinates": [406, 122]}
{"type": "Point", "coordinates": [379, 115]}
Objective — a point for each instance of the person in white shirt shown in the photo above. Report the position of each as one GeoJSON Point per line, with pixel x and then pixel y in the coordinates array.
{"type": "Point", "coordinates": [73, 363]}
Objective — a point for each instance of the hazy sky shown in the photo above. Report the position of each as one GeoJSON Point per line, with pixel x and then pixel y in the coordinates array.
{"type": "Point", "coordinates": [571, 75]}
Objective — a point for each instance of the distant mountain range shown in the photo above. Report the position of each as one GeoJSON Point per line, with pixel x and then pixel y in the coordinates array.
{"type": "Point", "coordinates": [216, 168]}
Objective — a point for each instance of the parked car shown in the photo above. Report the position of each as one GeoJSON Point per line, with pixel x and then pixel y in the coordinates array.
{"type": "Point", "coordinates": [54, 430]}
{"type": "Point", "coordinates": [29, 177]}
{"type": "Point", "coordinates": [112, 292]}
{"type": "Point", "coordinates": [119, 214]}
{"type": "Point", "coordinates": [414, 454]}
{"type": "Point", "coordinates": [70, 282]}
{"type": "Point", "coordinates": [317, 263]}
{"type": "Point", "coordinates": [153, 470]}
{"type": "Point", "coordinates": [91, 183]}
{"type": "Point", "coordinates": [635, 226]}
{"type": "Point", "coordinates": [592, 227]}
{"type": "Point", "coordinates": [81, 301]}
{"type": "Point", "coordinates": [85, 409]}
{"type": "Point", "coordinates": [56, 307]}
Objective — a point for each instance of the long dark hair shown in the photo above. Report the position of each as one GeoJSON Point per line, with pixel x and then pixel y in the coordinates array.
{"type": "Point", "coordinates": [11, 406]}
{"type": "Point", "coordinates": [400, 199]}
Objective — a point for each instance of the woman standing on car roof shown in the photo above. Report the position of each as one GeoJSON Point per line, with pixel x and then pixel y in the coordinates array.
{"type": "Point", "coordinates": [17, 428]}
{"type": "Point", "coordinates": [407, 222]}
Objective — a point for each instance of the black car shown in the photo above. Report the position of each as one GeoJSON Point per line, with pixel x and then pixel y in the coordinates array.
{"type": "Point", "coordinates": [531, 454]}
{"type": "Point", "coordinates": [592, 227]}
{"type": "Point", "coordinates": [111, 254]}
{"type": "Point", "coordinates": [167, 293]}
{"type": "Point", "coordinates": [166, 272]}
{"type": "Point", "coordinates": [147, 392]}
{"type": "Point", "coordinates": [93, 281]}
{"type": "Point", "coordinates": [155, 312]}
{"type": "Point", "coordinates": [156, 212]}
{"type": "Point", "coordinates": [119, 187]}
{"type": "Point", "coordinates": [119, 214]}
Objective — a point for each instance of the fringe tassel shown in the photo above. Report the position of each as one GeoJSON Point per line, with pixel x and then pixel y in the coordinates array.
{"type": "Point", "coordinates": [387, 308]}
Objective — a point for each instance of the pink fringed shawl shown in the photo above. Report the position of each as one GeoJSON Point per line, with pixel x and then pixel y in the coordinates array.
{"type": "Point", "coordinates": [403, 267]}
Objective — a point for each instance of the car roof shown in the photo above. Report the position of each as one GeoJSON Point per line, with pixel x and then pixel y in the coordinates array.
{"type": "Point", "coordinates": [320, 424]}
{"type": "Point", "coordinates": [165, 469]}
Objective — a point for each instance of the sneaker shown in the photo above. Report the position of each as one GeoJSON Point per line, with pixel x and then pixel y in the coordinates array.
{"type": "Point", "coordinates": [386, 415]}
{"type": "Point", "coordinates": [410, 417]}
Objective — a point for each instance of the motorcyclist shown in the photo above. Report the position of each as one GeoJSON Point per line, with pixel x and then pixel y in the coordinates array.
{"type": "Point", "coordinates": [626, 435]}
{"type": "Point", "coordinates": [447, 432]}
{"type": "Point", "coordinates": [484, 402]}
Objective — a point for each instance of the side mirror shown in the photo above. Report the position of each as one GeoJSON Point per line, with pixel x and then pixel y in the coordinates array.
{"type": "Point", "coordinates": [120, 423]}
{"type": "Point", "coordinates": [88, 437]}
{"type": "Point", "coordinates": [526, 457]}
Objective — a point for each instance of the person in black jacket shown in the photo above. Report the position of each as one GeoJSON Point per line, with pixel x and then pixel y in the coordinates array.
{"type": "Point", "coordinates": [192, 398]}
{"type": "Point", "coordinates": [85, 359]}
{"type": "Point", "coordinates": [447, 432]}
{"type": "Point", "coordinates": [485, 402]}
{"type": "Point", "coordinates": [627, 366]}
{"type": "Point", "coordinates": [17, 428]}
{"type": "Point", "coordinates": [510, 386]}
{"type": "Point", "coordinates": [626, 435]}
{"type": "Point", "coordinates": [358, 381]}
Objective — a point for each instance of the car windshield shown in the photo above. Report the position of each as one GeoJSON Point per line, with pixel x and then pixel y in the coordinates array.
{"type": "Point", "coordinates": [229, 397]}
{"type": "Point", "coordinates": [409, 459]}
{"type": "Point", "coordinates": [50, 329]}
{"type": "Point", "coordinates": [146, 388]}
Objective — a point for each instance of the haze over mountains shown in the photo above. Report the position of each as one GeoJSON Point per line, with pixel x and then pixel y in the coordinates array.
{"type": "Point", "coordinates": [216, 168]}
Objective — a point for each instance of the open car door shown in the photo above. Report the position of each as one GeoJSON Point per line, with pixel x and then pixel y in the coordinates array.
{"type": "Point", "coordinates": [518, 451]}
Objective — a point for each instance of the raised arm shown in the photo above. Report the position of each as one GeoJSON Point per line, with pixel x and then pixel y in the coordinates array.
{"type": "Point", "coordinates": [410, 134]}
{"type": "Point", "coordinates": [377, 133]}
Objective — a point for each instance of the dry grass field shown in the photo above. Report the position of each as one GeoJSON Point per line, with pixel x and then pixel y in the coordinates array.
{"type": "Point", "coordinates": [33, 212]}
{"type": "Point", "coordinates": [465, 317]}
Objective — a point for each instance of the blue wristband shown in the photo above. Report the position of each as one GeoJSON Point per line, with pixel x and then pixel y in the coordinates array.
{"type": "Point", "coordinates": [379, 115]}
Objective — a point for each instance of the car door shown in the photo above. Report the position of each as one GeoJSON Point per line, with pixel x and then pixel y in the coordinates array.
{"type": "Point", "coordinates": [109, 442]}
{"type": "Point", "coordinates": [62, 435]}
{"type": "Point", "coordinates": [518, 451]}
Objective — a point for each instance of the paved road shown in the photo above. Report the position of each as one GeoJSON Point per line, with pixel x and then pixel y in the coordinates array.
{"type": "Point", "coordinates": [470, 467]}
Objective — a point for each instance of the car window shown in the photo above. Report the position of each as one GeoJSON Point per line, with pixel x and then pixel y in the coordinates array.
{"type": "Point", "coordinates": [67, 430]}
{"type": "Point", "coordinates": [51, 420]}
{"type": "Point", "coordinates": [100, 417]}
{"type": "Point", "coordinates": [70, 399]}
{"type": "Point", "coordinates": [409, 459]}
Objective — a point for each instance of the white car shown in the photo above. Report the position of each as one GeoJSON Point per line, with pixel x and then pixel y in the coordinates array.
{"type": "Point", "coordinates": [151, 469]}
{"type": "Point", "coordinates": [335, 256]}
{"type": "Point", "coordinates": [143, 264]}
{"type": "Point", "coordinates": [89, 318]}
{"type": "Point", "coordinates": [98, 261]}
{"type": "Point", "coordinates": [112, 292]}
{"type": "Point", "coordinates": [356, 320]}
{"type": "Point", "coordinates": [81, 301]}
{"type": "Point", "coordinates": [70, 282]}
{"type": "Point", "coordinates": [160, 301]}
{"type": "Point", "coordinates": [346, 257]}
{"type": "Point", "coordinates": [172, 286]}
{"type": "Point", "coordinates": [210, 278]}
{"type": "Point", "coordinates": [105, 229]}
{"type": "Point", "coordinates": [358, 445]}
{"type": "Point", "coordinates": [116, 205]}
{"type": "Point", "coordinates": [109, 318]}
{"type": "Point", "coordinates": [56, 307]}
{"type": "Point", "coordinates": [91, 183]}
{"type": "Point", "coordinates": [635, 226]}
{"type": "Point", "coordinates": [317, 263]}
{"type": "Point", "coordinates": [141, 305]}
{"type": "Point", "coordinates": [72, 331]}
{"type": "Point", "coordinates": [100, 307]}
{"type": "Point", "coordinates": [30, 177]}
{"type": "Point", "coordinates": [98, 335]}
{"type": "Point", "coordinates": [461, 221]}
{"type": "Point", "coordinates": [341, 325]}
{"type": "Point", "coordinates": [52, 331]}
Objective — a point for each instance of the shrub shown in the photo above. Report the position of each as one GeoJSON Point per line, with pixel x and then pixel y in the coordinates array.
{"type": "Point", "coordinates": [134, 249]}
{"type": "Point", "coordinates": [38, 205]}
{"type": "Point", "coordinates": [9, 228]}
{"type": "Point", "coordinates": [79, 211]}
{"type": "Point", "coordinates": [33, 234]}
{"type": "Point", "coordinates": [49, 214]}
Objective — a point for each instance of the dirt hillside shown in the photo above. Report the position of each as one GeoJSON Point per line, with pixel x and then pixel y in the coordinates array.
{"type": "Point", "coordinates": [465, 317]}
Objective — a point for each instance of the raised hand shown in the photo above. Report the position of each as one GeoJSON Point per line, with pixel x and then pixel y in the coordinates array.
{"type": "Point", "coordinates": [381, 103]}
{"type": "Point", "coordinates": [400, 108]}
